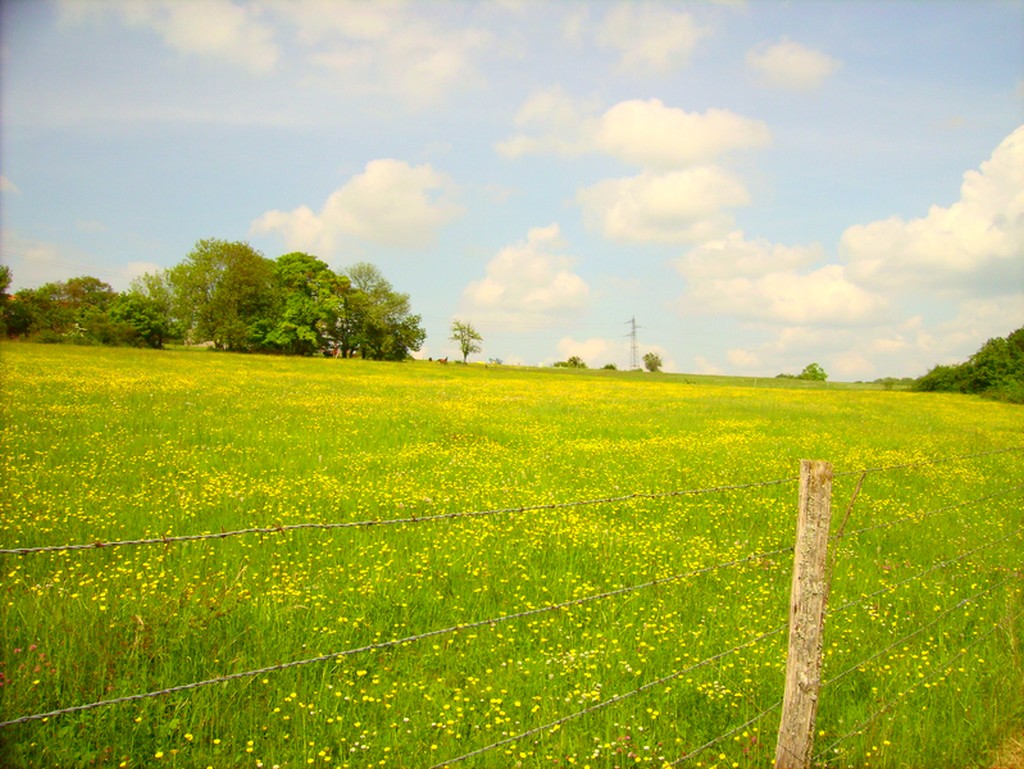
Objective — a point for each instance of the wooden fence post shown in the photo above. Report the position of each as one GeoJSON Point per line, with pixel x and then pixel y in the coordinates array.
{"type": "Point", "coordinates": [806, 618]}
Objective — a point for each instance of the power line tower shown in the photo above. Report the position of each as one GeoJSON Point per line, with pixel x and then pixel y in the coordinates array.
{"type": "Point", "coordinates": [634, 350]}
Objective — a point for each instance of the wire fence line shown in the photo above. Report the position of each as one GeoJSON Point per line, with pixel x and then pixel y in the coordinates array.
{"type": "Point", "coordinates": [554, 725]}
{"type": "Point", "coordinates": [775, 706]}
{"type": "Point", "coordinates": [934, 567]}
{"type": "Point", "coordinates": [396, 642]}
{"type": "Point", "coordinates": [548, 727]}
{"type": "Point", "coordinates": [938, 618]}
{"type": "Point", "coordinates": [726, 735]}
{"type": "Point", "coordinates": [918, 517]}
{"type": "Point", "coordinates": [927, 462]}
{"type": "Point", "coordinates": [282, 528]}
{"type": "Point", "coordinates": [939, 669]}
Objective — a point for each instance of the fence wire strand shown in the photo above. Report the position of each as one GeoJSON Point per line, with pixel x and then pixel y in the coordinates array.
{"type": "Point", "coordinates": [711, 743]}
{"type": "Point", "coordinates": [928, 462]}
{"type": "Point", "coordinates": [554, 725]}
{"type": "Point", "coordinates": [610, 701]}
{"type": "Point", "coordinates": [280, 529]}
{"type": "Point", "coordinates": [934, 567]}
{"type": "Point", "coordinates": [397, 642]}
{"type": "Point", "coordinates": [941, 616]}
{"type": "Point", "coordinates": [939, 669]}
{"type": "Point", "coordinates": [918, 517]}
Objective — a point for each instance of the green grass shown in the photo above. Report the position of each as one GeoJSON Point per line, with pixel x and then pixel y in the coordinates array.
{"type": "Point", "coordinates": [102, 445]}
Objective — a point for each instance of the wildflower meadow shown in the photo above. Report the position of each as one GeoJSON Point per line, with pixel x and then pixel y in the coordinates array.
{"type": "Point", "coordinates": [241, 561]}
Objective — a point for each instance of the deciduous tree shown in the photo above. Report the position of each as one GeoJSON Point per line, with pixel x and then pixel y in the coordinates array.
{"type": "Point", "coordinates": [466, 337]}
{"type": "Point", "coordinates": [226, 292]}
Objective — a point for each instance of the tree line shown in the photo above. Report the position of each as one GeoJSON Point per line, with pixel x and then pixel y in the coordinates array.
{"type": "Point", "coordinates": [230, 296]}
{"type": "Point", "coordinates": [996, 371]}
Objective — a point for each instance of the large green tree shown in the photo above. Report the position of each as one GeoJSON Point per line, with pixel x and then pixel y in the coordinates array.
{"type": "Point", "coordinates": [156, 288]}
{"type": "Point", "coordinates": [311, 301]}
{"type": "Point", "coordinates": [140, 319]}
{"type": "Point", "coordinates": [378, 321]}
{"type": "Point", "coordinates": [226, 292]}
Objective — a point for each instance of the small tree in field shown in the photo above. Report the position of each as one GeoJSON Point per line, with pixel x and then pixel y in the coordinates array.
{"type": "Point", "coordinates": [814, 372]}
{"type": "Point", "coordinates": [652, 362]}
{"type": "Point", "coordinates": [466, 337]}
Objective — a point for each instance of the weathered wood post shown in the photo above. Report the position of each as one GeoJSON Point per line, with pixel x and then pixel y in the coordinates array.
{"type": "Point", "coordinates": [808, 601]}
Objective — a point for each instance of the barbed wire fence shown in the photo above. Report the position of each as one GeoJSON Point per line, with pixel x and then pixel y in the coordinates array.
{"type": "Point", "coordinates": [841, 536]}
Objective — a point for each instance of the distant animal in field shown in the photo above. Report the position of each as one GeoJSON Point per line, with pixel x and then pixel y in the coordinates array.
{"type": "Point", "coordinates": [442, 360]}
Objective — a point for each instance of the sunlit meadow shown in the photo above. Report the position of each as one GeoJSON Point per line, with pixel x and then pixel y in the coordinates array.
{"type": "Point", "coordinates": [923, 662]}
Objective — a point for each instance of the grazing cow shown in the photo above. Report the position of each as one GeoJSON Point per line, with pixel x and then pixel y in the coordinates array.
{"type": "Point", "coordinates": [442, 360]}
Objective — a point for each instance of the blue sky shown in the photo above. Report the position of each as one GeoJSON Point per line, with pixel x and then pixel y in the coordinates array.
{"type": "Point", "coordinates": [760, 185]}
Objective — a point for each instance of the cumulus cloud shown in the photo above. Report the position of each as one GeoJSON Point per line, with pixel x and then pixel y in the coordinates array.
{"type": "Point", "coordinates": [647, 133]}
{"type": "Point", "coordinates": [221, 29]}
{"type": "Point", "coordinates": [792, 66]}
{"type": "Point", "coordinates": [733, 256]}
{"type": "Point", "coordinates": [651, 135]}
{"type": "Point", "coordinates": [678, 207]}
{"type": "Point", "coordinates": [649, 38]}
{"type": "Point", "coordinates": [595, 352]}
{"type": "Point", "coordinates": [373, 48]}
{"type": "Point", "coordinates": [702, 365]}
{"type": "Point", "coordinates": [974, 246]}
{"type": "Point", "coordinates": [528, 280]}
{"type": "Point", "coordinates": [824, 296]}
{"type": "Point", "coordinates": [743, 358]}
{"type": "Point", "coordinates": [560, 123]}
{"type": "Point", "coordinates": [682, 196]}
{"type": "Point", "coordinates": [391, 203]}
{"type": "Point", "coordinates": [386, 47]}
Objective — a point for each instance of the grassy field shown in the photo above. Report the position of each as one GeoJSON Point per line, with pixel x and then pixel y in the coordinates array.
{"type": "Point", "coordinates": [923, 661]}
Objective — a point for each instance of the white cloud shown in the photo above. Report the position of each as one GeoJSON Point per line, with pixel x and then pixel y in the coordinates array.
{"type": "Point", "coordinates": [643, 133]}
{"type": "Point", "coordinates": [743, 358]}
{"type": "Point", "coordinates": [138, 269]}
{"type": "Point", "coordinates": [851, 365]}
{"type": "Point", "coordinates": [574, 25]}
{"type": "Point", "coordinates": [35, 262]}
{"type": "Point", "coordinates": [975, 245]}
{"type": "Point", "coordinates": [792, 66]}
{"type": "Point", "coordinates": [733, 256]}
{"type": "Point", "coordinates": [391, 203]}
{"type": "Point", "coordinates": [595, 352]}
{"type": "Point", "coordinates": [6, 185]}
{"type": "Point", "coordinates": [824, 296]}
{"type": "Point", "coordinates": [704, 366]}
{"type": "Point", "coordinates": [528, 281]}
{"type": "Point", "coordinates": [651, 135]}
{"type": "Point", "coordinates": [561, 120]}
{"type": "Point", "coordinates": [977, 320]}
{"type": "Point", "coordinates": [221, 29]}
{"type": "Point", "coordinates": [382, 47]}
{"type": "Point", "coordinates": [680, 197]}
{"type": "Point", "coordinates": [679, 207]}
{"type": "Point", "coordinates": [598, 352]}
{"type": "Point", "coordinates": [649, 38]}
{"type": "Point", "coordinates": [387, 47]}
